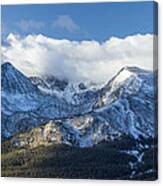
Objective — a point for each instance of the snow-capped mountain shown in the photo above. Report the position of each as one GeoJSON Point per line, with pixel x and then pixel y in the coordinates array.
{"type": "Point", "coordinates": [82, 116]}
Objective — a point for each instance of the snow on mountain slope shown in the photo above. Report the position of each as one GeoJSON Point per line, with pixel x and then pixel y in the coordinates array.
{"type": "Point", "coordinates": [72, 92]}
{"type": "Point", "coordinates": [48, 84]}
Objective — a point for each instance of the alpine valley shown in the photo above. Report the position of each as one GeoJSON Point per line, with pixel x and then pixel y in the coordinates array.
{"type": "Point", "coordinates": [51, 127]}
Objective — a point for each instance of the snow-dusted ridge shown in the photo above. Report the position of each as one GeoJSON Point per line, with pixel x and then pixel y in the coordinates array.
{"type": "Point", "coordinates": [84, 115]}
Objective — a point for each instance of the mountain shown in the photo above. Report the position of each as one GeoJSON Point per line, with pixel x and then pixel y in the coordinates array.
{"type": "Point", "coordinates": [19, 96]}
{"type": "Point", "coordinates": [130, 100]}
{"type": "Point", "coordinates": [25, 106]}
{"type": "Point", "coordinates": [82, 116]}
{"type": "Point", "coordinates": [17, 92]}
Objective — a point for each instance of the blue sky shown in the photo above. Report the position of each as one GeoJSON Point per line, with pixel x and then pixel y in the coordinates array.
{"type": "Point", "coordinates": [98, 21]}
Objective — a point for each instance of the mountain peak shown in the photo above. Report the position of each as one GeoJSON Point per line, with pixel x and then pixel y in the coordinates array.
{"type": "Point", "coordinates": [128, 71]}
{"type": "Point", "coordinates": [123, 74]}
{"type": "Point", "coordinates": [134, 69]}
{"type": "Point", "coordinates": [13, 81]}
{"type": "Point", "coordinates": [7, 65]}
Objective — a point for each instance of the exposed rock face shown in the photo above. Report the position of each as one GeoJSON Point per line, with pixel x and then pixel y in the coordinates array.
{"type": "Point", "coordinates": [43, 135]}
{"type": "Point", "coordinates": [68, 132]}
{"type": "Point", "coordinates": [126, 105]}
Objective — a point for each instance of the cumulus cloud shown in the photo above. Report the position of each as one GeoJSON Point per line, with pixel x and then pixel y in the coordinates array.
{"type": "Point", "coordinates": [65, 22]}
{"type": "Point", "coordinates": [28, 25]}
{"type": "Point", "coordinates": [78, 61]}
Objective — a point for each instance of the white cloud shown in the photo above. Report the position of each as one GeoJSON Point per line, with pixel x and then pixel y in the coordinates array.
{"type": "Point", "coordinates": [28, 25]}
{"type": "Point", "coordinates": [65, 22]}
{"type": "Point", "coordinates": [78, 61]}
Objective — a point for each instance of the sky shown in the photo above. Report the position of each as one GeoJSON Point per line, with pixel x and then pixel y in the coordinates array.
{"type": "Point", "coordinates": [98, 21]}
{"type": "Point", "coordinates": [77, 40]}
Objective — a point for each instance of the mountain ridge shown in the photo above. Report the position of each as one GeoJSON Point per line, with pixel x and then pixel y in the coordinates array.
{"type": "Point", "coordinates": [93, 115]}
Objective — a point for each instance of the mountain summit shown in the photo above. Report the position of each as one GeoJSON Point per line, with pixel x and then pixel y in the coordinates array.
{"type": "Point", "coordinates": [14, 82]}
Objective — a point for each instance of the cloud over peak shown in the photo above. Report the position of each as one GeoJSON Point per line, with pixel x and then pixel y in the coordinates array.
{"type": "Point", "coordinates": [78, 61]}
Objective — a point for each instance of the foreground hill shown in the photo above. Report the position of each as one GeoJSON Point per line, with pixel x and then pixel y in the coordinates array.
{"type": "Point", "coordinates": [122, 159]}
